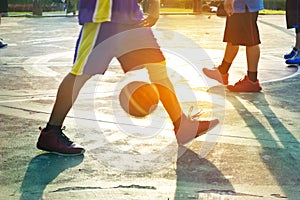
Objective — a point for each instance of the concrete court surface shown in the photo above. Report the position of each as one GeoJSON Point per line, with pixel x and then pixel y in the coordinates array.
{"type": "Point", "coordinates": [253, 154]}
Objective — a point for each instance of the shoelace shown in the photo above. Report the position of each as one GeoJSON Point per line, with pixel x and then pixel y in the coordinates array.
{"type": "Point", "coordinates": [241, 81]}
{"type": "Point", "coordinates": [195, 116]}
{"type": "Point", "coordinates": [63, 136]}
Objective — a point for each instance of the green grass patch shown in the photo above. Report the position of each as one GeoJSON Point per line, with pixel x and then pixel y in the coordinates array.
{"type": "Point", "coordinates": [183, 10]}
{"type": "Point", "coordinates": [175, 10]}
{"type": "Point", "coordinates": [16, 14]}
{"type": "Point", "coordinates": [45, 14]}
{"type": "Point", "coordinates": [272, 12]}
{"type": "Point", "coordinates": [162, 10]}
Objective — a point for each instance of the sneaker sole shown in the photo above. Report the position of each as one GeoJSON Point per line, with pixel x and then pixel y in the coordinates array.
{"type": "Point", "coordinates": [61, 154]}
{"type": "Point", "coordinates": [231, 89]}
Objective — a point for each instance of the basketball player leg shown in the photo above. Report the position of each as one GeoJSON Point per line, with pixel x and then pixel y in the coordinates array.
{"type": "Point", "coordinates": [52, 138]}
{"type": "Point", "coordinates": [185, 129]}
{"type": "Point", "coordinates": [66, 96]}
{"type": "Point", "coordinates": [74, 81]}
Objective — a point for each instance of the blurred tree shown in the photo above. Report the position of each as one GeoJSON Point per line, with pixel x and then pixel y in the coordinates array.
{"type": "Point", "coordinates": [37, 8]}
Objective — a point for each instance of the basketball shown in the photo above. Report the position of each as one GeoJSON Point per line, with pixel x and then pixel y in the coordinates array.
{"type": "Point", "coordinates": [139, 98]}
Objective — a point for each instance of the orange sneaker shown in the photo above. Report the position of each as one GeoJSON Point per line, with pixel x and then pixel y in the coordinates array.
{"type": "Point", "coordinates": [245, 85]}
{"type": "Point", "coordinates": [216, 75]}
{"type": "Point", "coordinates": [190, 129]}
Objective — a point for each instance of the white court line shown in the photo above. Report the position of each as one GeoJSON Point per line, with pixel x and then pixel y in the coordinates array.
{"type": "Point", "coordinates": [22, 100]}
{"type": "Point", "coordinates": [283, 78]}
{"type": "Point", "coordinates": [43, 98]}
{"type": "Point", "coordinates": [34, 68]}
{"type": "Point", "coordinates": [33, 65]}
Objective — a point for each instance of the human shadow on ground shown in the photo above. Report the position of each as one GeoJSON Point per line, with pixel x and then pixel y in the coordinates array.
{"type": "Point", "coordinates": [198, 176]}
{"type": "Point", "coordinates": [279, 145]}
{"type": "Point", "coordinates": [42, 170]}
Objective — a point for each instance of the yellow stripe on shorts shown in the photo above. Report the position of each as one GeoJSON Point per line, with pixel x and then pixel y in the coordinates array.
{"type": "Point", "coordinates": [102, 12]}
{"type": "Point", "coordinates": [86, 44]}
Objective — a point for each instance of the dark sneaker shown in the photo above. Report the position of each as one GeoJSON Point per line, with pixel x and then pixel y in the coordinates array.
{"type": "Point", "coordinates": [190, 129]}
{"type": "Point", "coordinates": [295, 59]}
{"type": "Point", "coordinates": [245, 85]}
{"type": "Point", "coordinates": [216, 75]}
{"type": "Point", "coordinates": [4, 14]}
{"type": "Point", "coordinates": [57, 142]}
{"type": "Point", "coordinates": [291, 54]}
{"type": "Point", "coordinates": [2, 45]}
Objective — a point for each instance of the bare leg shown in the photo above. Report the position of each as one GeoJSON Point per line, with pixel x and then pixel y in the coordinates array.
{"type": "Point", "coordinates": [66, 95]}
{"type": "Point", "coordinates": [250, 82]}
{"type": "Point", "coordinates": [253, 54]}
{"type": "Point", "coordinates": [221, 73]}
{"type": "Point", "coordinates": [170, 102]}
{"type": "Point", "coordinates": [158, 75]}
{"type": "Point", "coordinates": [230, 52]}
{"type": "Point", "coordinates": [185, 128]}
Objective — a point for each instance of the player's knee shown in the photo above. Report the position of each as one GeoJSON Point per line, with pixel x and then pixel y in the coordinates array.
{"type": "Point", "coordinates": [158, 74]}
{"type": "Point", "coordinates": [157, 71]}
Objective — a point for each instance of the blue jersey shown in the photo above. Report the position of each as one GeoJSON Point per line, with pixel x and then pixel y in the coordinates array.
{"type": "Point", "coordinates": [252, 5]}
{"type": "Point", "coordinates": [118, 11]}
